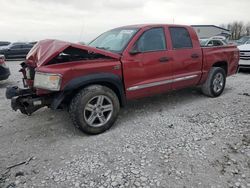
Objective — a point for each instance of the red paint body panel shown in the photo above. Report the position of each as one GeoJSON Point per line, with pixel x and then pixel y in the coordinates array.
{"type": "Point", "coordinates": [183, 64]}
{"type": "Point", "coordinates": [229, 54]}
{"type": "Point", "coordinates": [76, 69]}
{"type": "Point", "coordinates": [143, 69]}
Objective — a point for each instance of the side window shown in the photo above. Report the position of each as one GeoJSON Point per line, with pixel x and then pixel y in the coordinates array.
{"type": "Point", "coordinates": [152, 40]}
{"type": "Point", "coordinates": [210, 43]}
{"type": "Point", "coordinates": [180, 38]}
{"type": "Point", "coordinates": [217, 43]}
{"type": "Point", "coordinates": [27, 46]}
{"type": "Point", "coordinates": [16, 46]}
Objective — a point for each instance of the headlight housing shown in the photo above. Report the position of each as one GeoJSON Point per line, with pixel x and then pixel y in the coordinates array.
{"type": "Point", "coordinates": [28, 73]}
{"type": "Point", "coordinates": [47, 81]}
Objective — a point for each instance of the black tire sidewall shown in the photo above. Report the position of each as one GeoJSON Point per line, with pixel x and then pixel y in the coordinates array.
{"type": "Point", "coordinates": [89, 93]}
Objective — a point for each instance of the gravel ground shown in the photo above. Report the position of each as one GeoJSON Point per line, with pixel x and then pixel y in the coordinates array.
{"type": "Point", "coordinates": [179, 139]}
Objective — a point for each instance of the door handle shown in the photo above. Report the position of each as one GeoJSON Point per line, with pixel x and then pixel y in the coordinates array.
{"type": "Point", "coordinates": [164, 59]}
{"type": "Point", "coordinates": [195, 56]}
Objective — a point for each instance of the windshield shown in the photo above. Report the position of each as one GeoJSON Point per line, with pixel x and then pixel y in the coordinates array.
{"type": "Point", "coordinates": [114, 40]}
{"type": "Point", "coordinates": [243, 39]}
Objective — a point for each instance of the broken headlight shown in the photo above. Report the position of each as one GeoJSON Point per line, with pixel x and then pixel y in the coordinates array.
{"type": "Point", "coordinates": [28, 73]}
{"type": "Point", "coordinates": [47, 81]}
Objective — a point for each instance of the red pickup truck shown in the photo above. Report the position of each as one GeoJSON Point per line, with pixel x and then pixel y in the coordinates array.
{"type": "Point", "coordinates": [125, 63]}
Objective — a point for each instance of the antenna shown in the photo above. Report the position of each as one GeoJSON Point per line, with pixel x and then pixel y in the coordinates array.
{"type": "Point", "coordinates": [82, 30]}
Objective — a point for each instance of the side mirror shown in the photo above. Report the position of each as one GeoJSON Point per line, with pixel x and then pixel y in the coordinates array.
{"type": "Point", "coordinates": [210, 45]}
{"type": "Point", "coordinates": [135, 50]}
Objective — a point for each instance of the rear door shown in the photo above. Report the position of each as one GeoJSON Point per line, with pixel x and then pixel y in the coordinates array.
{"type": "Point", "coordinates": [148, 71]}
{"type": "Point", "coordinates": [187, 57]}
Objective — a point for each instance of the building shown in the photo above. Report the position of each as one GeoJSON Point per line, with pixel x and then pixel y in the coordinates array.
{"type": "Point", "coordinates": [207, 31]}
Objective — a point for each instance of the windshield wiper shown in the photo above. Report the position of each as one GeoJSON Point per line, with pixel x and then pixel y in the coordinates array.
{"type": "Point", "coordinates": [103, 48]}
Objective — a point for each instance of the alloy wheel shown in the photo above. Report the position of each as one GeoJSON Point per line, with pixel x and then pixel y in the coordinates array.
{"type": "Point", "coordinates": [98, 111]}
{"type": "Point", "coordinates": [218, 82]}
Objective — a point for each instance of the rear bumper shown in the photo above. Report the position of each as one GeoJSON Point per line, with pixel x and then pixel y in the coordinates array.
{"type": "Point", "coordinates": [4, 73]}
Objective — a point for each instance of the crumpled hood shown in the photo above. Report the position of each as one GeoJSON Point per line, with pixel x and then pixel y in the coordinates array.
{"type": "Point", "coordinates": [46, 50]}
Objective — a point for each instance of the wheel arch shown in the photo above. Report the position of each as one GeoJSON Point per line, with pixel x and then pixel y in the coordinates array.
{"type": "Point", "coordinates": [223, 65]}
{"type": "Point", "coordinates": [112, 81]}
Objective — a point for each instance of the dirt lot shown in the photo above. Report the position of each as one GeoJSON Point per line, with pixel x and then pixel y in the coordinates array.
{"type": "Point", "coordinates": [180, 139]}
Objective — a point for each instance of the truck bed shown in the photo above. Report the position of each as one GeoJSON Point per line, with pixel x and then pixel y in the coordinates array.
{"type": "Point", "coordinates": [225, 54]}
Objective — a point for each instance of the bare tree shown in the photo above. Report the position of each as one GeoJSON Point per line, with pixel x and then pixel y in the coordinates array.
{"type": "Point", "coordinates": [247, 27]}
{"type": "Point", "coordinates": [238, 29]}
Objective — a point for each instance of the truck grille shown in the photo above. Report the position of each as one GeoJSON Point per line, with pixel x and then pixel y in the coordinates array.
{"type": "Point", "coordinates": [245, 55]}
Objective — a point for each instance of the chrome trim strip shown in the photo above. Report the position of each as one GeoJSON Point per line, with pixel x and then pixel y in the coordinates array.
{"type": "Point", "coordinates": [143, 86]}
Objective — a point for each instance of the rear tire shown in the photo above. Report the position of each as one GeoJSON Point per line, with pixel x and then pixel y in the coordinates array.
{"type": "Point", "coordinates": [215, 83]}
{"type": "Point", "coordinates": [94, 109]}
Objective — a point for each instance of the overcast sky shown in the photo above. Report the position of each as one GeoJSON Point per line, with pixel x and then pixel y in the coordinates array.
{"type": "Point", "coordinates": [83, 20]}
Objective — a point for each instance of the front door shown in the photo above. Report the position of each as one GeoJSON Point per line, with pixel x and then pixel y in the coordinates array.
{"type": "Point", "coordinates": [147, 70]}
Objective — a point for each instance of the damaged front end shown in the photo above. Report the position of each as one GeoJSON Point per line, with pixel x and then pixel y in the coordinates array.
{"type": "Point", "coordinates": [43, 88]}
{"type": "Point", "coordinates": [25, 100]}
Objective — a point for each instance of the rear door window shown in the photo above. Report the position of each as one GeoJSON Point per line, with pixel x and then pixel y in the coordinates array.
{"type": "Point", "coordinates": [180, 38]}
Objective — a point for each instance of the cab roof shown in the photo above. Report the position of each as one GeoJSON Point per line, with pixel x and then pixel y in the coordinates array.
{"type": "Point", "coordinates": [140, 26]}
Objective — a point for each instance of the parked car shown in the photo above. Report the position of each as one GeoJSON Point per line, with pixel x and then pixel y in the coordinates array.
{"type": "Point", "coordinates": [33, 43]}
{"type": "Point", "coordinates": [212, 42]}
{"type": "Point", "coordinates": [82, 43]}
{"type": "Point", "coordinates": [244, 62]}
{"type": "Point", "coordinates": [219, 37]}
{"type": "Point", "coordinates": [125, 63]}
{"type": "Point", "coordinates": [16, 50]}
{"type": "Point", "coordinates": [243, 40]}
{"type": "Point", "coordinates": [4, 70]}
{"type": "Point", "coordinates": [4, 43]}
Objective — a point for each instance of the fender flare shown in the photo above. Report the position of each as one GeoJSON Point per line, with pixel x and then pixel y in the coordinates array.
{"type": "Point", "coordinates": [82, 81]}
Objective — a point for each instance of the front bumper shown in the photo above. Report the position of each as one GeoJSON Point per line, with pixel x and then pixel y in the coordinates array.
{"type": "Point", "coordinates": [26, 100]}
{"type": "Point", "coordinates": [4, 73]}
{"type": "Point", "coordinates": [244, 64]}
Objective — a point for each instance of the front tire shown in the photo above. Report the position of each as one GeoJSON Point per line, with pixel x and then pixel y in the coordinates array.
{"type": "Point", "coordinates": [94, 109]}
{"type": "Point", "coordinates": [215, 83]}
